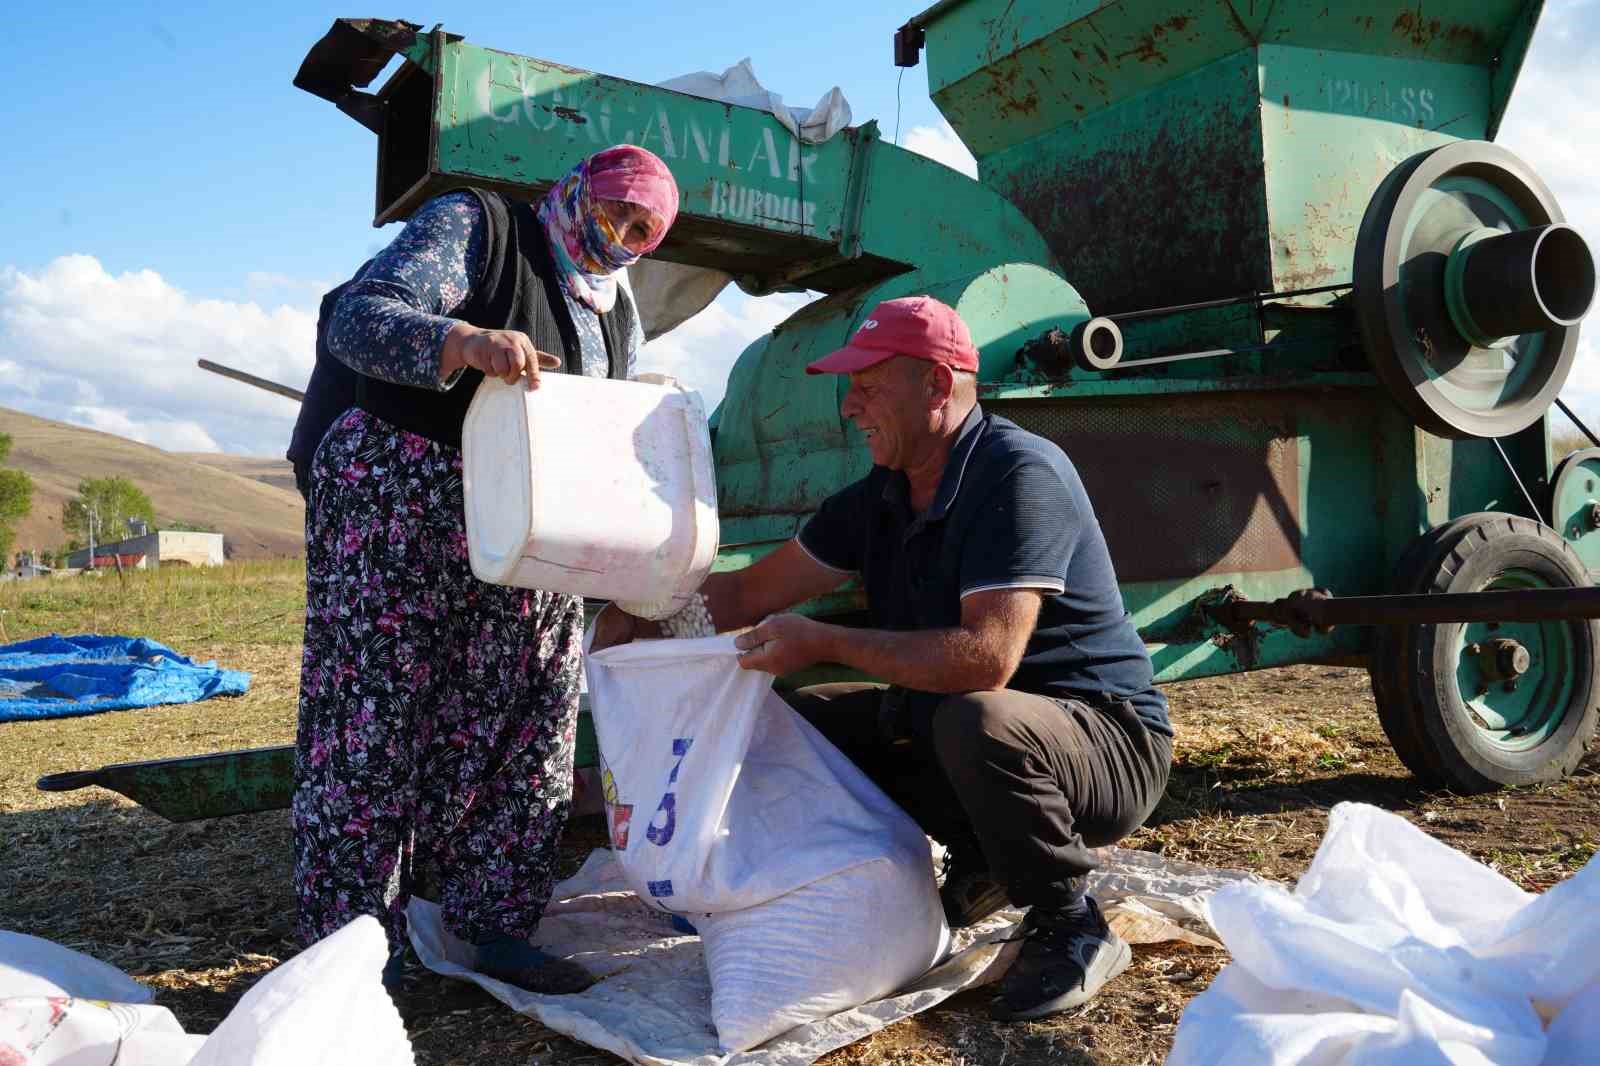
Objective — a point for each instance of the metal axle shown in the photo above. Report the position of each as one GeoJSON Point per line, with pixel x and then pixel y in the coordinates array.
{"type": "Point", "coordinates": [1319, 609]}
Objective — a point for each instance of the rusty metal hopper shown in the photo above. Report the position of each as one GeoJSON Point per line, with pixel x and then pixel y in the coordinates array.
{"type": "Point", "coordinates": [1213, 147]}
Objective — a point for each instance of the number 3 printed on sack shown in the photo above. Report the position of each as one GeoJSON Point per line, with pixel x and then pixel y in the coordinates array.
{"type": "Point", "coordinates": [667, 813]}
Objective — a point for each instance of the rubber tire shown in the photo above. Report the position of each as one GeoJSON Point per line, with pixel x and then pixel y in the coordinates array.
{"type": "Point", "coordinates": [1390, 665]}
{"type": "Point", "coordinates": [1473, 556]}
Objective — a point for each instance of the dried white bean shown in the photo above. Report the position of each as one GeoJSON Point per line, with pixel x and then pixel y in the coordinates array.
{"type": "Point", "coordinates": [694, 620]}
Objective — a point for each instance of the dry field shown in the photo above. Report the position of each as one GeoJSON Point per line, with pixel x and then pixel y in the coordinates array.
{"type": "Point", "coordinates": [201, 911]}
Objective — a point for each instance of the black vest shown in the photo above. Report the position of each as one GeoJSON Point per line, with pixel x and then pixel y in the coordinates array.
{"type": "Point", "coordinates": [518, 291]}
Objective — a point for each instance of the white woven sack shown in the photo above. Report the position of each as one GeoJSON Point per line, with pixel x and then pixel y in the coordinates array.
{"type": "Point", "coordinates": [835, 944]}
{"type": "Point", "coordinates": [812, 891]}
{"type": "Point", "coordinates": [700, 822]}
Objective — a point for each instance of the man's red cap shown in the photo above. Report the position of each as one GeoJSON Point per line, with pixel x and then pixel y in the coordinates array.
{"type": "Point", "coordinates": [916, 326]}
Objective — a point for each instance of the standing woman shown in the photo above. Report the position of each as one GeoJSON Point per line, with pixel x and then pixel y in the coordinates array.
{"type": "Point", "coordinates": [437, 712]}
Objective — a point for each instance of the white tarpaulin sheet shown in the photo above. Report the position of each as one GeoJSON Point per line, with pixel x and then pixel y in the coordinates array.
{"type": "Point", "coordinates": [1396, 950]}
{"type": "Point", "coordinates": [739, 85]}
{"type": "Point", "coordinates": [668, 294]}
{"type": "Point", "coordinates": [652, 1003]}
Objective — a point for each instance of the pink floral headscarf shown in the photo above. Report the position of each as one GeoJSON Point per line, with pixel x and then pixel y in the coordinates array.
{"type": "Point", "coordinates": [587, 251]}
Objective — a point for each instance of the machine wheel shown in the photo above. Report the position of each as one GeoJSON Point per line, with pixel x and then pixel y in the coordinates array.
{"type": "Point", "coordinates": [1574, 508]}
{"type": "Point", "coordinates": [1390, 668]}
{"type": "Point", "coordinates": [1451, 359]}
{"type": "Point", "coordinates": [1473, 707]}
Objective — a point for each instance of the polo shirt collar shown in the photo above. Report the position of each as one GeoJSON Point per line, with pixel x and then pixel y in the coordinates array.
{"type": "Point", "coordinates": [898, 490]}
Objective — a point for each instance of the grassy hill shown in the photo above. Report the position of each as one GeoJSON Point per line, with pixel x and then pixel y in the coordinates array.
{"type": "Point", "coordinates": [275, 472]}
{"type": "Point", "coordinates": [251, 501]}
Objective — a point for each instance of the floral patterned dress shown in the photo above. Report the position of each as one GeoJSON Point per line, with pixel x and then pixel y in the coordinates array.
{"type": "Point", "coordinates": [437, 712]}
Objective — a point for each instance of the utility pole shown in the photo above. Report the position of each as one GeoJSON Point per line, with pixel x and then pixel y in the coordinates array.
{"type": "Point", "coordinates": [94, 519]}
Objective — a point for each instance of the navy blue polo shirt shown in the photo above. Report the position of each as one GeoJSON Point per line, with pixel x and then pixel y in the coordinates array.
{"type": "Point", "coordinates": [1011, 512]}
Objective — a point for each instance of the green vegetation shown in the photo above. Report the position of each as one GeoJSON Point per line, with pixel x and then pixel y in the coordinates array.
{"type": "Point", "coordinates": [261, 603]}
{"type": "Point", "coordinates": [16, 498]}
{"type": "Point", "coordinates": [106, 503]}
{"type": "Point", "coordinates": [1564, 442]}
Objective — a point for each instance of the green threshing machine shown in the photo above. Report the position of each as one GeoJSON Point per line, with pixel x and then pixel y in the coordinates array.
{"type": "Point", "coordinates": [1257, 266]}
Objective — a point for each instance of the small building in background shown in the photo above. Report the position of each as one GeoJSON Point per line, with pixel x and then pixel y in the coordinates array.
{"type": "Point", "coordinates": [165, 547]}
{"type": "Point", "coordinates": [29, 569]}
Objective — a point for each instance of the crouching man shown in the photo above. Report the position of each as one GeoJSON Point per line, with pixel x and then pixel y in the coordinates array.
{"type": "Point", "coordinates": [1019, 725]}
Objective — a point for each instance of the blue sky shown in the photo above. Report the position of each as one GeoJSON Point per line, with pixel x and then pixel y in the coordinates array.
{"type": "Point", "coordinates": [169, 138]}
{"type": "Point", "coordinates": [166, 194]}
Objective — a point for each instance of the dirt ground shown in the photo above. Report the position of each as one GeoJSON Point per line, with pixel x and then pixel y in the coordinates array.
{"type": "Point", "coordinates": [201, 911]}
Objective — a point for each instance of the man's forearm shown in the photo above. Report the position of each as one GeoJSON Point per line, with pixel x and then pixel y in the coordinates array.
{"type": "Point", "coordinates": [929, 660]}
{"type": "Point", "coordinates": [738, 599]}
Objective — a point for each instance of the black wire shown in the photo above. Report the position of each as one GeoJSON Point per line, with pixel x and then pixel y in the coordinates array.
{"type": "Point", "coordinates": [1255, 297]}
{"type": "Point", "coordinates": [897, 82]}
{"type": "Point", "coordinates": [1587, 432]}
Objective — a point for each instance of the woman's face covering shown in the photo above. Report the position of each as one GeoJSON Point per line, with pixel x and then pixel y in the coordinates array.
{"type": "Point", "coordinates": [633, 226]}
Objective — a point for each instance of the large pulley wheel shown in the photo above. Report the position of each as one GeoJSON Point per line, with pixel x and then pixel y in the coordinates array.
{"type": "Point", "coordinates": [1477, 706]}
{"type": "Point", "coordinates": [1469, 290]}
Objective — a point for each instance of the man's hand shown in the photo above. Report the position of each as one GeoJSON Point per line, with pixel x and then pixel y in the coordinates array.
{"type": "Point", "coordinates": [783, 644]}
{"type": "Point", "coordinates": [506, 354]}
{"type": "Point", "coordinates": [979, 655]}
{"type": "Point", "coordinates": [613, 626]}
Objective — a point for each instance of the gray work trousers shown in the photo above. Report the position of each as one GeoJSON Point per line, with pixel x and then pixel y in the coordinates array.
{"type": "Point", "coordinates": [1033, 782]}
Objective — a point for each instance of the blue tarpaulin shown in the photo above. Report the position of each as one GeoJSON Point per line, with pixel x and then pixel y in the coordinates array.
{"type": "Point", "coordinates": [53, 677]}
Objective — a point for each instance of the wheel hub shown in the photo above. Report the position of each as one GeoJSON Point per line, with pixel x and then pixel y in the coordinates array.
{"type": "Point", "coordinates": [1501, 659]}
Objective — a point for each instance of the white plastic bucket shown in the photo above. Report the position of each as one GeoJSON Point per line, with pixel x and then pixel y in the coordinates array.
{"type": "Point", "coordinates": [593, 487]}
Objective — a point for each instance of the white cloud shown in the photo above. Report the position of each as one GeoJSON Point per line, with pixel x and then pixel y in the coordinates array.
{"type": "Point", "coordinates": [175, 436]}
{"type": "Point", "coordinates": [13, 379]}
{"type": "Point", "coordinates": [941, 144]}
{"type": "Point", "coordinates": [701, 351]}
{"type": "Point", "coordinates": [118, 353]}
{"type": "Point", "coordinates": [1552, 124]}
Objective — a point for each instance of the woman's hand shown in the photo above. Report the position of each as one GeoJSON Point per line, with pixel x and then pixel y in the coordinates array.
{"type": "Point", "coordinates": [613, 626]}
{"type": "Point", "coordinates": [783, 644]}
{"type": "Point", "coordinates": [506, 354]}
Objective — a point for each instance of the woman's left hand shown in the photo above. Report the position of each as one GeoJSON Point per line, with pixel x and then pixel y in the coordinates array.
{"type": "Point", "coordinates": [782, 644]}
